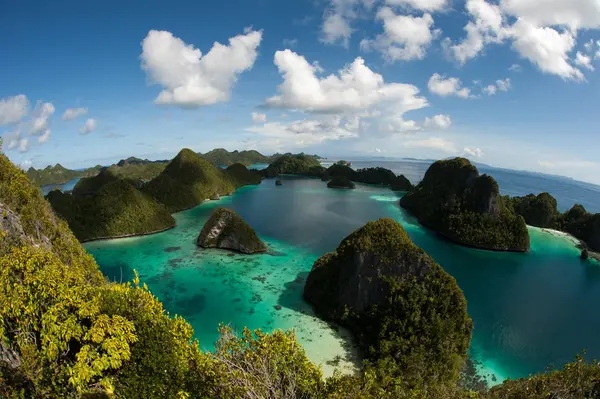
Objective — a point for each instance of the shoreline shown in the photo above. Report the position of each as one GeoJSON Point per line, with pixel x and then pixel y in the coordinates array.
{"type": "Point", "coordinates": [128, 235]}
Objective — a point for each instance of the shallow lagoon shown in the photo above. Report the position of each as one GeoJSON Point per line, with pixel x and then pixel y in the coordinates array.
{"type": "Point", "coordinates": [530, 310]}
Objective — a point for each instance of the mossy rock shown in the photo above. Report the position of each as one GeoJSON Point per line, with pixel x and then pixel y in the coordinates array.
{"type": "Point", "coordinates": [226, 229]}
{"type": "Point", "coordinates": [402, 306]}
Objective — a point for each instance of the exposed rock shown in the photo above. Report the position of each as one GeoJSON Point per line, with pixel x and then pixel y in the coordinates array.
{"type": "Point", "coordinates": [278, 182]}
{"type": "Point", "coordinates": [585, 255]}
{"type": "Point", "coordinates": [226, 229]}
{"type": "Point", "coordinates": [386, 289]}
{"type": "Point", "coordinates": [215, 197]}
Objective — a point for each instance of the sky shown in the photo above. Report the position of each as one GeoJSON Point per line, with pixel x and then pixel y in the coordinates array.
{"type": "Point", "coordinates": [510, 83]}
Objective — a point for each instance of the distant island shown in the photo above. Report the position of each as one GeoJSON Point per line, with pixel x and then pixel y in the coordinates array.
{"type": "Point", "coordinates": [460, 204]}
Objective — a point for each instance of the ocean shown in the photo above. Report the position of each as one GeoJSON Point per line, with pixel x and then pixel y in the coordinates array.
{"type": "Point", "coordinates": [530, 311]}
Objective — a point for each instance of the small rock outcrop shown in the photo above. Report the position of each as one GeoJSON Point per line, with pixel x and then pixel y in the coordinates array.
{"type": "Point", "coordinates": [215, 197]}
{"type": "Point", "coordinates": [226, 229]}
{"type": "Point", "coordinates": [340, 182]}
{"type": "Point", "coordinates": [403, 308]}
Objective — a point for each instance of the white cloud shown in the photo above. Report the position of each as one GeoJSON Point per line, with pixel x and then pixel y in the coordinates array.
{"type": "Point", "coordinates": [26, 164]}
{"type": "Point", "coordinates": [190, 79]}
{"type": "Point", "coordinates": [337, 20]}
{"type": "Point", "coordinates": [280, 136]}
{"type": "Point", "coordinates": [438, 122]}
{"type": "Point", "coordinates": [584, 61]}
{"type": "Point", "coordinates": [576, 14]}
{"type": "Point", "coordinates": [13, 109]}
{"type": "Point", "coordinates": [354, 88]}
{"type": "Point", "coordinates": [72, 113]}
{"type": "Point", "coordinates": [404, 37]}
{"type": "Point", "coordinates": [89, 126]}
{"type": "Point", "coordinates": [445, 87]}
{"type": "Point", "coordinates": [473, 152]}
{"type": "Point", "coordinates": [434, 143]}
{"type": "Point", "coordinates": [500, 85]}
{"type": "Point", "coordinates": [40, 116]}
{"type": "Point", "coordinates": [259, 118]}
{"type": "Point", "coordinates": [485, 27]}
{"type": "Point", "coordinates": [546, 48]}
{"type": "Point", "coordinates": [515, 68]}
{"type": "Point", "coordinates": [44, 137]}
{"type": "Point", "coordinates": [425, 5]}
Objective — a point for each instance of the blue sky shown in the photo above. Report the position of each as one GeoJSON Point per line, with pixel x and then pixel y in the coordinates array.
{"type": "Point", "coordinates": [511, 83]}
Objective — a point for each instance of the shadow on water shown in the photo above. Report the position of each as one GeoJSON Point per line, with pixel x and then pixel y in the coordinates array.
{"type": "Point", "coordinates": [119, 272]}
{"type": "Point", "coordinates": [292, 295]}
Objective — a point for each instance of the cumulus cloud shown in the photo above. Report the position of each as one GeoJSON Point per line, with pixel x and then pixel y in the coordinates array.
{"type": "Point", "coordinates": [404, 38]}
{"type": "Point", "coordinates": [425, 5]}
{"type": "Point", "coordinates": [72, 113]}
{"type": "Point", "coordinates": [473, 152]}
{"type": "Point", "coordinates": [354, 88]}
{"type": "Point", "coordinates": [445, 87]}
{"type": "Point", "coordinates": [259, 118]}
{"type": "Point", "coordinates": [13, 109]}
{"type": "Point", "coordinates": [584, 61]}
{"type": "Point", "coordinates": [438, 122]}
{"type": "Point", "coordinates": [44, 137]}
{"type": "Point", "coordinates": [485, 26]}
{"type": "Point", "coordinates": [338, 18]}
{"type": "Point", "coordinates": [191, 79]}
{"type": "Point", "coordinates": [500, 85]}
{"type": "Point", "coordinates": [543, 31]}
{"type": "Point", "coordinates": [40, 116]}
{"type": "Point", "coordinates": [89, 126]}
{"type": "Point", "coordinates": [545, 47]}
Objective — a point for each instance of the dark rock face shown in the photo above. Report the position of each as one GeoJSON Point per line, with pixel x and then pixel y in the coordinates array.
{"type": "Point", "coordinates": [215, 197]}
{"type": "Point", "coordinates": [385, 289]}
{"type": "Point", "coordinates": [227, 230]}
{"type": "Point", "coordinates": [467, 208]}
{"type": "Point", "coordinates": [401, 183]}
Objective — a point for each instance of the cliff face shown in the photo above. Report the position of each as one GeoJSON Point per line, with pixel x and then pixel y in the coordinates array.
{"type": "Point", "coordinates": [400, 304]}
{"type": "Point", "coordinates": [467, 208]}
{"type": "Point", "coordinates": [226, 229]}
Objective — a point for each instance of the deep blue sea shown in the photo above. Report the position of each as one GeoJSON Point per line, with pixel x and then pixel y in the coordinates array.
{"type": "Point", "coordinates": [530, 311]}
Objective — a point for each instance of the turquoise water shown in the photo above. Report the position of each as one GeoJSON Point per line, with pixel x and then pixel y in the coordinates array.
{"type": "Point", "coordinates": [68, 186]}
{"type": "Point", "coordinates": [530, 310]}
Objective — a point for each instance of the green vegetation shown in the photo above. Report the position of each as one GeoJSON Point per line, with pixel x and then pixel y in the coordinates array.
{"type": "Point", "coordinates": [187, 181]}
{"type": "Point", "coordinates": [409, 316]}
{"type": "Point", "coordinates": [116, 209]}
{"type": "Point", "coordinates": [401, 183]}
{"type": "Point", "coordinates": [300, 164]}
{"type": "Point", "coordinates": [340, 182]}
{"type": "Point", "coordinates": [541, 211]}
{"type": "Point", "coordinates": [226, 229]}
{"type": "Point", "coordinates": [222, 157]}
{"type": "Point", "coordinates": [241, 176]}
{"type": "Point", "coordinates": [454, 200]}
{"type": "Point", "coordinates": [58, 174]}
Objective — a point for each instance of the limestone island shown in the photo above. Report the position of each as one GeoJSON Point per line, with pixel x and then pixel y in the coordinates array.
{"type": "Point", "coordinates": [405, 311]}
{"type": "Point", "coordinates": [541, 211]}
{"type": "Point", "coordinates": [225, 229]}
{"type": "Point", "coordinates": [465, 207]}
{"type": "Point", "coordinates": [376, 176]}
{"type": "Point", "coordinates": [340, 182]}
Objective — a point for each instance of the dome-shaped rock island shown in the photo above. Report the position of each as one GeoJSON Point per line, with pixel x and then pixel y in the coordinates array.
{"type": "Point", "coordinates": [225, 229]}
